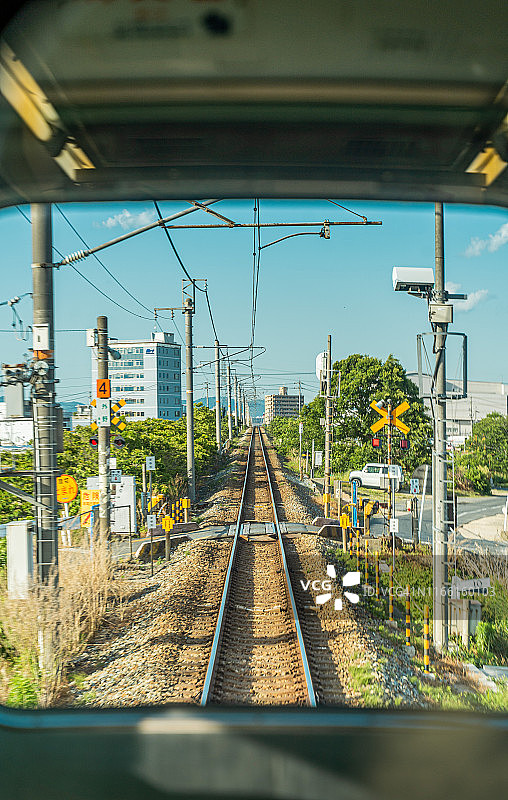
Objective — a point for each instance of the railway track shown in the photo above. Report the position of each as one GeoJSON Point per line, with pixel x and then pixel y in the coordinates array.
{"type": "Point", "coordinates": [258, 653]}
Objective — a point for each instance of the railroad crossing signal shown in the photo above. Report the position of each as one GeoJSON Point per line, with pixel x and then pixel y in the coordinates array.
{"type": "Point", "coordinates": [392, 420]}
{"type": "Point", "coordinates": [115, 419]}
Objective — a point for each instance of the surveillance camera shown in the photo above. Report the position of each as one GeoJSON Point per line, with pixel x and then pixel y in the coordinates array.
{"type": "Point", "coordinates": [416, 280]}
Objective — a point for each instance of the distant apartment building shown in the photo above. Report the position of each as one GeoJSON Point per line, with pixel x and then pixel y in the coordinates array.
{"type": "Point", "coordinates": [81, 416]}
{"type": "Point", "coordinates": [147, 377]}
{"type": "Point", "coordinates": [483, 397]}
{"type": "Point", "coordinates": [282, 405]}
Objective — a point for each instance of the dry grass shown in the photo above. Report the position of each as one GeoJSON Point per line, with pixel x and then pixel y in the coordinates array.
{"type": "Point", "coordinates": [49, 628]}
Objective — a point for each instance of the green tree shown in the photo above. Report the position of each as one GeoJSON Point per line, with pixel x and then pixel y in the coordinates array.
{"type": "Point", "coordinates": [165, 440]}
{"type": "Point", "coordinates": [363, 379]}
{"type": "Point", "coordinates": [485, 456]}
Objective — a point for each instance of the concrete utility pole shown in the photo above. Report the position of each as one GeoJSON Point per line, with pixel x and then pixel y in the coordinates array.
{"type": "Point", "coordinates": [103, 434]}
{"type": "Point", "coordinates": [217, 396]}
{"type": "Point", "coordinates": [230, 422]}
{"type": "Point", "coordinates": [236, 402]}
{"type": "Point", "coordinates": [191, 470]}
{"type": "Point", "coordinates": [389, 459]}
{"type": "Point", "coordinates": [439, 477]}
{"type": "Point", "coordinates": [45, 462]}
{"type": "Point", "coordinates": [328, 428]}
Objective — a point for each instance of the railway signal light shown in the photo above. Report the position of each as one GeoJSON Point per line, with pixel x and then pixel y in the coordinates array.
{"type": "Point", "coordinates": [94, 441]}
{"type": "Point", "coordinates": [376, 442]}
{"type": "Point", "coordinates": [119, 441]}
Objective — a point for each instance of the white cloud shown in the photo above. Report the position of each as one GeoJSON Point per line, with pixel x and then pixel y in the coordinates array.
{"type": "Point", "coordinates": [493, 243]}
{"type": "Point", "coordinates": [473, 298]}
{"type": "Point", "coordinates": [129, 221]}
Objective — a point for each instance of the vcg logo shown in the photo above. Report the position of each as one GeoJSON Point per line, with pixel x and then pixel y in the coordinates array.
{"type": "Point", "coordinates": [326, 587]}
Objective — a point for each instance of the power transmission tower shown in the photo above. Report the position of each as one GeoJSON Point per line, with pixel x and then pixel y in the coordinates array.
{"type": "Point", "coordinates": [45, 461]}
{"type": "Point", "coordinates": [103, 433]}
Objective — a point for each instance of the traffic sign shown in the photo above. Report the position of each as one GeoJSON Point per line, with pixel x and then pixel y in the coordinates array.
{"type": "Point", "coordinates": [66, 488]}
{"type": "Point", "coordinates": [102, 414]}
{"type": "Point", "coordinates": [354, 491]}
{"type": "Point", "coordinates": [394, 525]}
{"type": "Point", "coordinates": [151, 521]}
{"type": "Point", "coordinates": [414, 486]}
{"type": "Point", "coordinates": [150, 463]}
{"type": "Point", "coordinates": [115, 476]}
{"type": "Point", "coordinates": [103, 388]}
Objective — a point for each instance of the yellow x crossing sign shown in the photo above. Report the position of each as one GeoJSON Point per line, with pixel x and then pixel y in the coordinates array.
{"type": "Point", "coordinates": [393, 419]}
{"type": "Point", "coordinates": [115, 420]}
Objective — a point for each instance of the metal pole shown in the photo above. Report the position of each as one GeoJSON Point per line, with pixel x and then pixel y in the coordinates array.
{"type": "Point", "coordinates": [230, 421]}
{"type": "Point", "coordinates": [440, 615]}
{"type": "Point", "coordinates": [312, 460]}
{"type": "Point", "coordinates": [144, 505]}
{"type": "Point", "coordinates": [236, 402]}
{"type": "Point", "coordinates": [151, 512]}
{"type": "Point", "coordinates": [389, 441]}
{"type": "Point", "coordinates": [44, 394]}
{"type": "Point", "coordinates": [191, 470]}
{"type": "Point", "coordinates": [217, 396]}
{"type": "Point", "coordinates": [103, 435]}
{"type": "Point", "coordinates": [300, 431]}
{"type": "Point", "coordinates": [328, 429]}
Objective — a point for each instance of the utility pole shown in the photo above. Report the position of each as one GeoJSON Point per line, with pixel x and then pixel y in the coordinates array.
{"type": "Point", "coordinates": [236, 402]}
{"type": "Point", "coordinates": [328, 428]}
{"type": "Point", "coordinates": [217, 397]}
{"type": "Point", "coordinates": [299, 397]}
{"type": "Point", "coordinates": [103, 434]}
{"type": "Point", "coordinates": [230, 422]}
{"type": "Point", "coordinates": [207, 404]}
{"type": "Point", "coordinates": [439, 484]}
{"type": "Point", "coordinates": [389, 459]}
{"type": "Point", "coordinates": [189, 380]}
{"type": "Point", "coordinates": [45, 462]}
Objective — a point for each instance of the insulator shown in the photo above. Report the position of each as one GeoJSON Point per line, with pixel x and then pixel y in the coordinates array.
{"type": "Point", "coordinates": [77, 256]}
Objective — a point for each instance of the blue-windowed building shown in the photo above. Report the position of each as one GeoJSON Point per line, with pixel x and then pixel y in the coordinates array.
{"type": "Point", "coordinates": [147, 377]}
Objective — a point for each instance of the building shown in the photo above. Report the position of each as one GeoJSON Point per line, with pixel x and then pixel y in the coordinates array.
{"type": "Point", "coordinates": [81, 416]}
{"type": "Point", "coordinates": [147, 377]}
{"type": "Point", "coordinates": [483, 397]}
{"type": "Point", "coordinates": [282, 405]}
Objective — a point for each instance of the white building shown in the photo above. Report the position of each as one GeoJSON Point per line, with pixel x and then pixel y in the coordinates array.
{"type": "Point", "coordinates": [282, 405]}
{"type": "Point", "coordinates": [147, 377]}
{"type": "Point", "coordinates": [15, 432]}
{"type": "Point", "coordinates": [483, 397]}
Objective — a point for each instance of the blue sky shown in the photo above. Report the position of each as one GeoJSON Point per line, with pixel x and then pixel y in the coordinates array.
{"type": "Point", "coordinates": [308, 286]}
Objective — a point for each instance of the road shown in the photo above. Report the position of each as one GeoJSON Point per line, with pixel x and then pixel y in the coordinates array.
{"type": "Point", "coordinates": [468, 510]}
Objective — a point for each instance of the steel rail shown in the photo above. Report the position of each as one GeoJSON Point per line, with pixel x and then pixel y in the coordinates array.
{"type": "Point", "coordinates": [225, 592]}
{"type": "Point", "coordinates": [303, 653]}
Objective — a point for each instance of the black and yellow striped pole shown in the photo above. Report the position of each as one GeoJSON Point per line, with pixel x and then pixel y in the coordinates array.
{"type": "Point", "coordinates": [390, 595]}
{"type": "Point", "coordinates": [377, 575]}
{"type": "Point", "coordinates": [173, 511]}
{"type": "Point", "coordinates": [358, 551]}
{"type": "Point", "coordinates": [350, 542]}
{"type": "Point", "coordinates": [408, 617]}
{"type": "Point", "coordinates": [426, 640]}
{"type": "Point", "coordinates": [366, 545]}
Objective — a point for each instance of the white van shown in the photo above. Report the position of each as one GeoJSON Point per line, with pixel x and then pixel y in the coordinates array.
{"type": "Point", "coordinates": [375, 476]}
